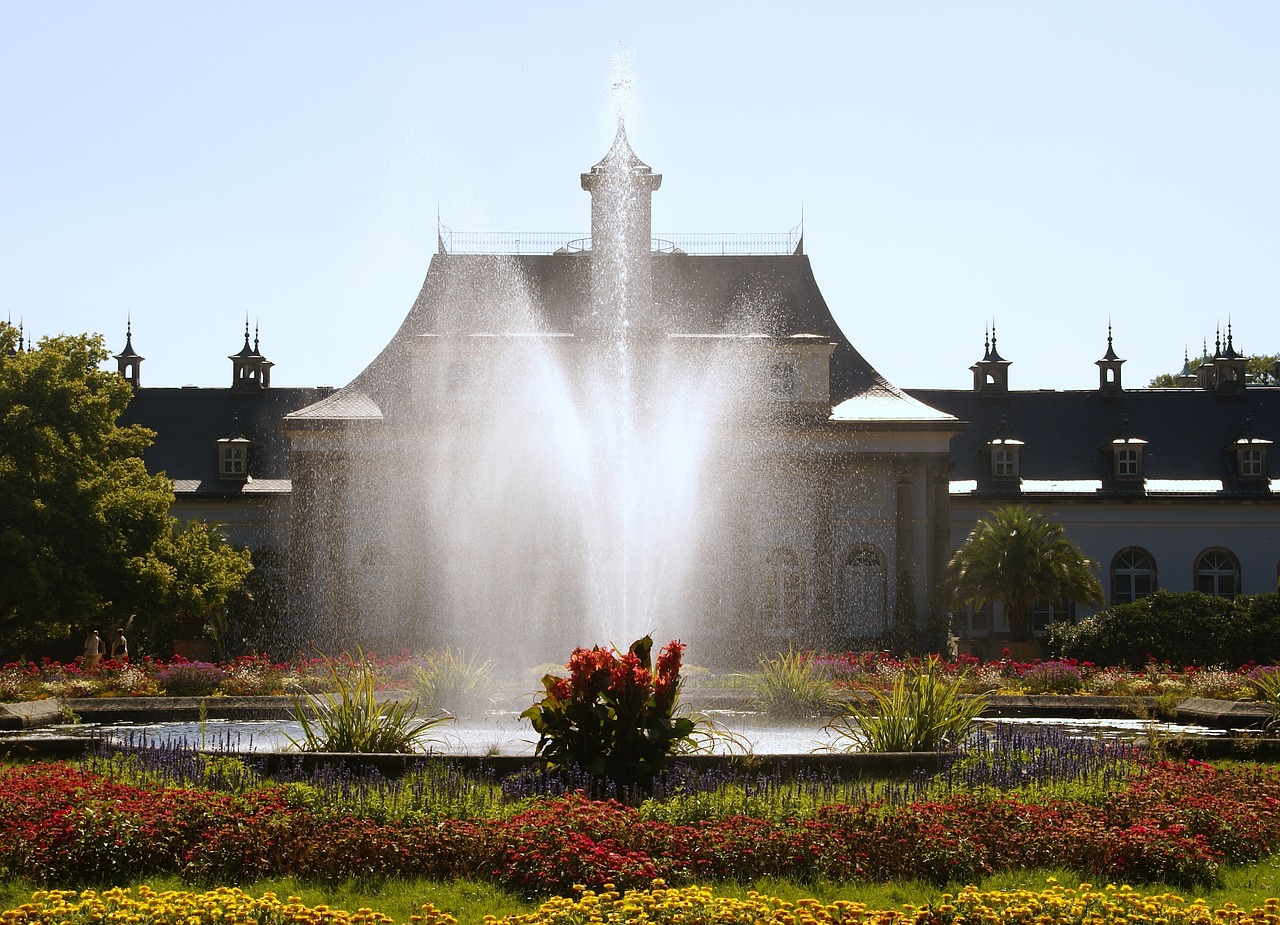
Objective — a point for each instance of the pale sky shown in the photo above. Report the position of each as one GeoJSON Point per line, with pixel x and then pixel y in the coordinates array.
{"type": "Point", "coordinates": [1050, 166]}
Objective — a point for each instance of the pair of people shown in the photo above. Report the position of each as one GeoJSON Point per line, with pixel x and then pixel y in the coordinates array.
{"type": "Point", "coordinates": [95, 647]}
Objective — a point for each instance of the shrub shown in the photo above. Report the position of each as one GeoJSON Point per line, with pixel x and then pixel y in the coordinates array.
{"type": "Point", "coordinates": [1184, 629]}
{"type": "Point", "coordinates": [189, 679]}
{"type": "Point", "coordinates": [614, 716]}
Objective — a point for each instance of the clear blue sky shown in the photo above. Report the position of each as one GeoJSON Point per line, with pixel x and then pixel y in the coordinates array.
{"type": "Point", "coordinates": [1047, 165]}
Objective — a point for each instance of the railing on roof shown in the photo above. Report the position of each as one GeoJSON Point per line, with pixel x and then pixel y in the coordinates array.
{"type": "Point", "coordinates": [549, 242]}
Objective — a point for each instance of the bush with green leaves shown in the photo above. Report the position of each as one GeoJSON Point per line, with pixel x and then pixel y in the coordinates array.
{"type": "Point", "coordinates": [926, 709]}
{"type": "Point", "coordinates": [614, 717]}
{"type": "Point", "coordinates": [351, 717]}
{"type": "Point", "coordinates": [1183, 629]}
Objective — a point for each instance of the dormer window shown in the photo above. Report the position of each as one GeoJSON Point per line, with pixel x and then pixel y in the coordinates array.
{"type": "Point", "coordinates": [233, 458]}
{"type": "Point", "coordinates": [1251, 458]}
{"type": "Point", "coordinates": [1126, 458]}
{"type": "Point", "coordinates": [1004, 457]}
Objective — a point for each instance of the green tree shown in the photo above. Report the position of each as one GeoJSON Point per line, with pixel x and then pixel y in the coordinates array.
{"type": "Point", "coordinates": [1019, 557]}
{"type": "Point", "coordinates": [85, 532]}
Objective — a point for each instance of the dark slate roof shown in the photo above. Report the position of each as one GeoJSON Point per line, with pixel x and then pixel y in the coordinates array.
{"type": "Point", "coordinates": [775, 295]}
{"type": "Point", "coordinates": [188, 423]}
{"type": "Point", "coordinates": [1067, 437]}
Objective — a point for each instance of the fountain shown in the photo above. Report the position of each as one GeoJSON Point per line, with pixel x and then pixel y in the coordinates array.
{"type": "Point", "coordinates": [614, 439]}
{"type": "Point", "coordinates": [527, 476]}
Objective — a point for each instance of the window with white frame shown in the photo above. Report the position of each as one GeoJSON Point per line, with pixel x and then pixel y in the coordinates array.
{"type": "Point", "coordinates": [1127, 463]}
{"type": "Point", "coordinates": [1251, 463]}
{"type": "Point", "coordinates": [1004, 462]}
{"type": "Point", "coordinates": [1046, 612]}
{"type": "Point", "coordinates": [1218, 573]}
{"type": "Point", "coordinates": [1133, 575]}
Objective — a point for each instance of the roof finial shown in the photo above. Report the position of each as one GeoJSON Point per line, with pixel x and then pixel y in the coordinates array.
{"type": "Point", "coordinates": [255, 337]}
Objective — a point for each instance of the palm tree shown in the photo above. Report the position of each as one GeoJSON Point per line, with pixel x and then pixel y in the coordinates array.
{"type": "Point", "coordinates": [1019, 557]}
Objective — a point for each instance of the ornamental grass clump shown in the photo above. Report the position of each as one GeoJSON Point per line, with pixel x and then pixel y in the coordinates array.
{"type": "Point", "coordinates": [925, 710]}
{"type": "Point", "coordinates": [1265, 683]}
{"type": "Point", "coordinates": [351, 718]}
{"type": "Point", "coordinates": [614, 717]}
{"type": "Point", "coordinates": [792, 686]}
{"type": "Point", "coordinates": [460, 683]}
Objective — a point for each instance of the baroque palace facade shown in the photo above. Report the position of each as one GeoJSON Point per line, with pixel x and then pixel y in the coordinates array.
{"type": "Point", "coordinates": [839, 496]}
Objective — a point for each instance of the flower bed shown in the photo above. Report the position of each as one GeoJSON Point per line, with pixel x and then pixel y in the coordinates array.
{"type": "Point", "coordinates": [1176, 823]}
{"type": "Point", "coordinates": [660, 905]}
{"type": "Point", "coordinates": [258, 675]}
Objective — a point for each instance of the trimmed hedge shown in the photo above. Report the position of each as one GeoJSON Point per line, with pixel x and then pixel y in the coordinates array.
{"type": "Point", "coordinates": [1183, 629]}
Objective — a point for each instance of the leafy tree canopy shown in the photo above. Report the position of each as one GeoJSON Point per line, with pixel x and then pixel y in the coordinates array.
{"type": "Point", "coordinates": [85, 532]}
{"type": "Point", "coordinates": [1019, 557]}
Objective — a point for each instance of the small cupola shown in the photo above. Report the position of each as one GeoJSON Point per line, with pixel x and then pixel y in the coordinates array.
{"type": "Point", "coordinates": [1231, 368]}
{"type": "Point", "coordinates": [1004, 456]}
{"type": "Point", "coordinates": [233, 455]}
{"type": "Point", "coordinates": [1109, 370]}
{"type": "Point", "coordinates": [1251, 455]}
{"type": "Point", "coordinates": [1186, 379]}
{"type": "Point", "coordinates": [1206, 372]}
{"type": "Point", "coordinates": [1127, 452]}
{"type": "Point", "coordinates": [128, 360]}
{"type": "Point", "coordinates": [991, 373]}
{"type": "Point", "coordinates": [18, 345]}
{"type": "Point", "coordinates": [250, 370]}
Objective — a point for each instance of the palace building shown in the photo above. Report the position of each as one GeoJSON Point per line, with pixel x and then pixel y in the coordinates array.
{"type": "Point", "coordinates": [625, 424]}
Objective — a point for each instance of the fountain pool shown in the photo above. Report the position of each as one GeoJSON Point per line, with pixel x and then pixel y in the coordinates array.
{"type": "Point", "coordinates": [503, 734]}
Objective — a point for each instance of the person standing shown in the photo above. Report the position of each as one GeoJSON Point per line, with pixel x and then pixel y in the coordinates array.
{"type": "Point", "coordinates": [120, 647]}
{"type": "Point", "coordinates": [92, 651]}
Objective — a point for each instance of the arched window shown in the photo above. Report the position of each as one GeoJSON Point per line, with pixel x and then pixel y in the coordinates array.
{"type": "Point", "coordinates": [864, 592]}
{"type": "Point", "coordinates": [1133, 575]}
{"type": "Point", "coordinates": [782, 593]}
{"type": "Point", "coordinates": [1218, 573]}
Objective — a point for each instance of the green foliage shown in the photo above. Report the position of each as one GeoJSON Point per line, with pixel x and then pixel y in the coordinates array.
{"type": "Point", "coordinates": [1019, 557]}
{"type": "Point", "coordinates": [792, 686]}
{"type": "Point", "coordinates": [351, 718]}
{"type": "Point", "coordinates": [614, 716]}
{"type": "Point", "coordinates": [456, 682]}
{"type": "Point", "coordinates": [85, 532]}
{"type": "Point", "coordinates": [926, 709]}
{"type": "Point", "coordinates": [1182, 628]}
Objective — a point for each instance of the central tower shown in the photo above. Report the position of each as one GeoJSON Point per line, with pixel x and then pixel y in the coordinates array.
{"type": "Point", "coordinates": [621, 187]}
